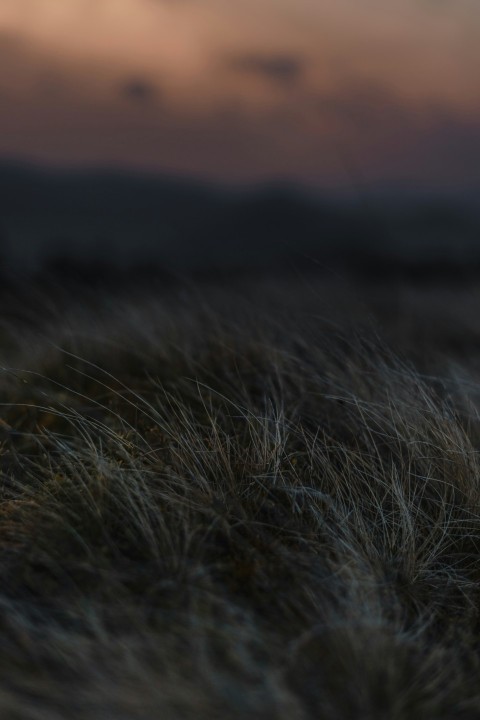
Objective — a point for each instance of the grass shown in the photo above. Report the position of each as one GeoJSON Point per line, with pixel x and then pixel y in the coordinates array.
{"type": "Point", "coordinates": [220, 508]}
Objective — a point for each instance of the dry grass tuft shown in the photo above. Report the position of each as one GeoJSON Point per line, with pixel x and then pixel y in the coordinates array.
{"type": "Point", "coordinates": [207, 514]}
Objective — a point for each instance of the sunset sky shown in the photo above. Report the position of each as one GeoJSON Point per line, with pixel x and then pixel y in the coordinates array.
{"type": "Point", "coordinates": [330, 93]}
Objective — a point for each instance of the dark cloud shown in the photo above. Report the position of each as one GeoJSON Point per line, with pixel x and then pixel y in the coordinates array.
{"type": "Point", "coordinates": [452, 143]}
{"type": "Point", "coordinates": [388, 137]}
{"type": "Point", "coordinates": [364, 105]}
{"type": "Point", "coordinates": [358, 130]}
{"type": "Point", "coordinates": [138, 90]}
{"type": "Point", "coordinates": [282, 68]}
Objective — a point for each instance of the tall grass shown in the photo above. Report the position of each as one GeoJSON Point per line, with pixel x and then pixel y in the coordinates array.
{"type": "Point", "coordinates": [211, 509]}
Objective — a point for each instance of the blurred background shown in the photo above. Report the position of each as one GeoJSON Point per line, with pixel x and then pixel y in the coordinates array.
{"type": "Point", "coordinates": [211, 137]}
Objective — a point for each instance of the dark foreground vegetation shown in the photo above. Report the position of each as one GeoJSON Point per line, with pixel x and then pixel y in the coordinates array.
{"type": "Point", "coordinates": [261, 503]}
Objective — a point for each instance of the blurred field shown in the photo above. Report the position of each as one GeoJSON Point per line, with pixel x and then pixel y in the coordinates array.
{"type": "Point", "coordinates": [251, 500]}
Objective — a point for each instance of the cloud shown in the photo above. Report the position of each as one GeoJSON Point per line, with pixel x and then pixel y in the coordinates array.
{"type": "Point", "coordinates": [364, 106]}
{"type": "Point", "coordinates": [386, 136]}
{"type": "Point", "coordinates": [281, 68]}
{"type": "Point", "coordinates": [138, 90]}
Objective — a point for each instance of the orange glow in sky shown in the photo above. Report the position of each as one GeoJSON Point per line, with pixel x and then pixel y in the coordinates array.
{"type": "Point", "coordinates": [310, 90]}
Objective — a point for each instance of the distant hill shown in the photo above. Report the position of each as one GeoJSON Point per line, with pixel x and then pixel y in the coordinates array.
{"type": "Point", "coordinates": [55, 218]}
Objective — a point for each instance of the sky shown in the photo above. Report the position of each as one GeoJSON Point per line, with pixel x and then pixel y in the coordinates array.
{"type": "Point", "coordinates": [327, 93]}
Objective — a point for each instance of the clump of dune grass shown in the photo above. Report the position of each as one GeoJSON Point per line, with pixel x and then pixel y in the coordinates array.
{"type": "Point", "coordinates": [208, 513]}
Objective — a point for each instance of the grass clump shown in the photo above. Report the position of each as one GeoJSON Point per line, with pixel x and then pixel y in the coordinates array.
{"type": "Point", "coordinates": [206, 514]}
